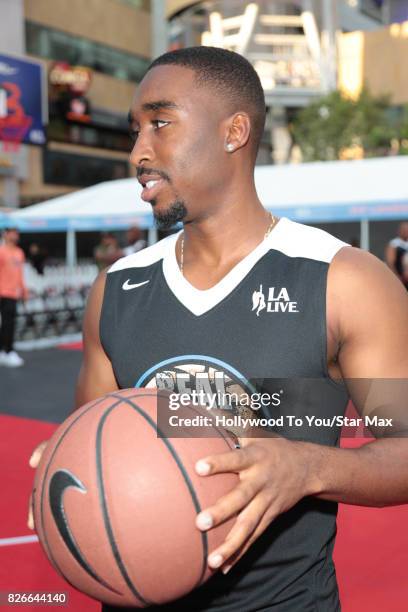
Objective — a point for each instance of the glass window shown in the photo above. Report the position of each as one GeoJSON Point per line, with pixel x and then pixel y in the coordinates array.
{"type": "Point", "coordinates": [60, 168]}
{"type": "Point", "coordinates": [54, 44]}
{"type": "Point", "coordinates": [88, 135]}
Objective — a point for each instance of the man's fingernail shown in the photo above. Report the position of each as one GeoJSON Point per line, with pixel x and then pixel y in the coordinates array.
{"type": "Point", "coordinates": [204, 521]}
{"type": "Point", "coordinates": [215, 560]}
{"type": "Point", "coordinates": [202, 468]}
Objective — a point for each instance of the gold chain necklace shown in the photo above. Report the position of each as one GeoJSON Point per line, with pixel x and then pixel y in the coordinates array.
{"type": "Point", "coordinates": [268, 231]}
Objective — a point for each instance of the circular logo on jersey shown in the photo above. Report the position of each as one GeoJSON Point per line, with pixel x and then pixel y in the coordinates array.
{"type": "Point", "coordinates": [214, 382]}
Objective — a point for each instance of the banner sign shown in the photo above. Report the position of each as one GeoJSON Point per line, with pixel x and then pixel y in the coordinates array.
{"type": "Point", "coordinates": [23, 105]}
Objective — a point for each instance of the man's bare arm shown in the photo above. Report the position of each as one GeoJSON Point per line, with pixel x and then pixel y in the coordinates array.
{"type": "Point", "coordinates": [96, 376]}
{"type": "Point", "coordinates": [371, 308]}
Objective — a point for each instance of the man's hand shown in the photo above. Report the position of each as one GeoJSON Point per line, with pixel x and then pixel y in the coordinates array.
{"type": "Point", "coordinates": [274, 474]}
{"type": "Point", "coordinates": [34, 461]}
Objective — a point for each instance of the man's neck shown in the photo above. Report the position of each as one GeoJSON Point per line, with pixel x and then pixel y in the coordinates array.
{"type": "Point", "coordinates": [227, 237]}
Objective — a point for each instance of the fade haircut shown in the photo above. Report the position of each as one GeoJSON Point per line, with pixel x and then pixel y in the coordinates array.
{"type": "Point", "coordinates": [231, 76]}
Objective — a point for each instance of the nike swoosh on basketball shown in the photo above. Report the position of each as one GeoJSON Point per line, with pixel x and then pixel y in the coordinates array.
{"type": "Point", "coordinates": [126, 286]}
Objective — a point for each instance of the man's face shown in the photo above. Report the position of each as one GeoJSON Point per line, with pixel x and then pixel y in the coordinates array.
{"type": "Point", "coordinates": [133, 234]}
{"type": "Point", "coordinates": [12, 236]}
{"type": "Point", "coordinates": [179, 147]}
{"type": "Point", "coordinates": [108, 240]}
{"type": "Point", "coordinates": [404, 230]}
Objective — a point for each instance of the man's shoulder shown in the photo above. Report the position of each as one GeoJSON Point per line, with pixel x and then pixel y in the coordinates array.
{"type": "Point", "coordinates": [146, 257]}
{"type": "Point", "coordinates": [399, 243]}
{"type": "Point", "coordinates": [367, 309]}
{"type": "Point", "coordinates": [11, 252]}
{"type": "Point", "coordinates": [360, 281]}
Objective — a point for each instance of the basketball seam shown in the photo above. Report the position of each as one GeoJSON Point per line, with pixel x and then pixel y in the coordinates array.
{"type": "Point", "coordinates": [45, 540]}
{"type": "Point", "coordinates": [105, 514]}
{"type": "Point", "coordinates": [230, 445]}
{"type": "Point", "coordinates": [196, 502]}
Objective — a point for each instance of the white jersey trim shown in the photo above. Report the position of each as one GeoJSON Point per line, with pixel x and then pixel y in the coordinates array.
{"type": "Point", "coordinates": [144, 258]}
{"type": "Point", "coordinates": [299, 240]}
{"type": "Point", "coordinates": [290, 238]}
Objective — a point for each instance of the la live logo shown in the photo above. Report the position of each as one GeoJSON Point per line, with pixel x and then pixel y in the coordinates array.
{"type": "Point", "coordinates": [278, 301]}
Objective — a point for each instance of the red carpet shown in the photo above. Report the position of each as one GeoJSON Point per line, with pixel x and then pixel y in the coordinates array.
{"type": "Point", "coordinates": [371, 551]}
{"type": "Point", "coordinates": [24, 567]}
{"type": "Point", "coordinates": [71, 346]}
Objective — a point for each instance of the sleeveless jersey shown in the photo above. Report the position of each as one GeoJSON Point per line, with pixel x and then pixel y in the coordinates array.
{"type": "Point", "coordinates": [264, 321]}
{"type": "Point", "coordinates": [401, 255]}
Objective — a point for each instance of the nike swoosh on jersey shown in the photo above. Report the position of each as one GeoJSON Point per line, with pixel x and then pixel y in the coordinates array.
{"type": "Point", "coordinates": [126, 286]}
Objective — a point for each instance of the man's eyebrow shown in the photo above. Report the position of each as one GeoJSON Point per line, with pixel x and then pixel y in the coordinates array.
{"type": "Point", "coordinates": [153, 106]}
{"type": "Point", "coordinates": [159, 105]}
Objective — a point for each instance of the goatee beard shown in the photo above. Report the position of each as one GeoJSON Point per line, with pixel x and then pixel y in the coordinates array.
{"type": "Point", "coordinates": [176, 212]}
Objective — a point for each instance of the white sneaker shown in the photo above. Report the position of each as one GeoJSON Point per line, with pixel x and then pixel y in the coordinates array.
{"type": "Point", "coordinates": [12, 360]}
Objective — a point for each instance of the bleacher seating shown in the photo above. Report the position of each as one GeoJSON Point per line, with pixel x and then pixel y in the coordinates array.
{"type": "Point", "coordinates": [56, 301]}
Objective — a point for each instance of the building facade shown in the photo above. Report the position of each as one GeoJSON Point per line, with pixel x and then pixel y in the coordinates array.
{"type": "Point", "coordinates": [94, 54]}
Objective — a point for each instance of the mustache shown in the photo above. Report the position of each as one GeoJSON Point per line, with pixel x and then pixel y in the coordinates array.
{"type": "Point", "coordinates": [143, 170]}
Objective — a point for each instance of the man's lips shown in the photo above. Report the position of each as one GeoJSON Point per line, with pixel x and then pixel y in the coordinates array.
{"type": "Point", "coordinates": [152, 186]}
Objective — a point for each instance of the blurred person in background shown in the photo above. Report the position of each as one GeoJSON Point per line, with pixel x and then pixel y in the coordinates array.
{"type": "Point", "coordinates": [135, 241]}
{"type": "Point", "coordinates": [396, 253]}
{"type": "Point", "coordinates": [404, 264]}
{"type": "Point", "coordinates": [12, 289]}
{"type": "Point", "coordinates": [37, 256]}
{"type": "Point", "coordinates": [107, 251]}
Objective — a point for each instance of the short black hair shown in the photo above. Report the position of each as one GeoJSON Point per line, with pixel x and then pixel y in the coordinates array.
{"type": "Point", "coordinates": [230, 74]}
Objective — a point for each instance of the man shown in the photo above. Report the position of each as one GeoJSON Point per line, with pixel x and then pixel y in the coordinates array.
{"type": "Point", "coordinates": [183, 309]}
{"type": "Point", "coordinates": [396, 253]}
{"type": "Point", "coordinates": [37, 256]}
{"type": "Point", "coordinates": [107, 251]}
{"type": "Point", "coordinates": [134, 241]}
{"type": "Point", "coordinates": [12, 289]}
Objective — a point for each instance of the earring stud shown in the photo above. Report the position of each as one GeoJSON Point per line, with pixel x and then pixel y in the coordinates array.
{"type": "Point", "coordinates": [230, 147]}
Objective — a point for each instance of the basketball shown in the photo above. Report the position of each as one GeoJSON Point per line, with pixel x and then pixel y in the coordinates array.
{"type": "Point", "coordinates": [115, 503]}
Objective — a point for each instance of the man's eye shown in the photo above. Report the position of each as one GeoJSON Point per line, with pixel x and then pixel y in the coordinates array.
{"type": "Point", "coordinates": [160, 123]}
{"type": "Point", "coordinates": [133, 135]}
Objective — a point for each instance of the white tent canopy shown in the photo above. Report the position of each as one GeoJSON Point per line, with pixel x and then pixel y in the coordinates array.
{"type": "Point", "coordinates": [315, 192]}
{"type": "Point", "coordinates": [336, 191]}
{"type": "Point", "coordinates": [113, 204]}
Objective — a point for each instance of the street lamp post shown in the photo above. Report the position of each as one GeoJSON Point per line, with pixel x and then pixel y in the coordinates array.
{"type": "Point", "coordinates": [158, 27]}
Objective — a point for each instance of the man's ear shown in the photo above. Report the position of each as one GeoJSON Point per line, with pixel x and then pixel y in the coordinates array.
{"type": "Point", "coordinates": [238, 131]}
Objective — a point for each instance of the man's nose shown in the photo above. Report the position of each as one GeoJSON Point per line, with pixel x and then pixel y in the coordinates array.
{"type": "Point", "coordinates": [142, 151]}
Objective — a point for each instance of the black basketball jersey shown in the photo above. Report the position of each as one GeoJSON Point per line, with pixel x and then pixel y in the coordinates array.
{"type": "Point", "coordinates": [401, 249]}
{"type": "Point", "coordinates": [264, 321]}
{"type": "Point", "coordinates": [401, 252]}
